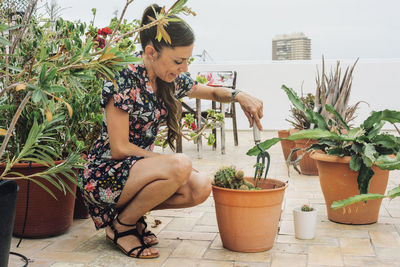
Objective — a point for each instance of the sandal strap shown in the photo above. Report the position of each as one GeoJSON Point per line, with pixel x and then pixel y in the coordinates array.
{"type": "Point", "coordinates": [144, 232]}
{"type": "Point", "coordinates": [142, 248]}
{"type": "Point", "coordinates": [124, 224]}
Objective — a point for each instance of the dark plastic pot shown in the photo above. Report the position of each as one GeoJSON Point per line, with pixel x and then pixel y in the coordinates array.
{"type": "Point", "coordinates": [8, 200]}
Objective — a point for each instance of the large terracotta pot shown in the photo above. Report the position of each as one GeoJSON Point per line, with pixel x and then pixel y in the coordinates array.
{"type": "Point", "coordinates": [339, 182]}
{"type": "Point", "coordinates": [248, 219]}
{"type": "Point", "coordinates": [46, 215]}
{"type": "Point", "coordinates": [308, 165]}
{"type": "Point", "coordinates": [287, 145]}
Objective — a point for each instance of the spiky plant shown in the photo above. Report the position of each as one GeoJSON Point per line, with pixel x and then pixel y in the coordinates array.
{"type": "Point", "coordinates": [229, 177]}
{"type": "Point", "coordinates": [306, 208]}
{"type": "Point", "coordinates": [298, 117]}
{"type": "Point", "coordinates": [334, 91]}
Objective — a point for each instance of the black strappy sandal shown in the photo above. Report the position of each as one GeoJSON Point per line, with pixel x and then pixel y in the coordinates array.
{"type": "Point", "coordinates": [147, 233]}
{"type": "Point", "coordinates": [134, 232]}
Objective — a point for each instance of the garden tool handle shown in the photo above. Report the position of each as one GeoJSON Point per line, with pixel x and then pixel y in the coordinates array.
{"type": "Point", "coordinates": [256, 133]}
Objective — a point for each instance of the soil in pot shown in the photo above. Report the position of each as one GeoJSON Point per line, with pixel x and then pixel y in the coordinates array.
{"type": "Point", "coordinates": [248, 219]}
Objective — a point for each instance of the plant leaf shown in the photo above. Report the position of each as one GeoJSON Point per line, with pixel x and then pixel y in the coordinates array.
{"type": "Point", "coordinates": [351, 200]}
{"type": "Point", "coordinates": [332, 110]}
{"type": "Point", "coordinates": [355, 163]}
{"type": "Point", "coordinates": [391, 116]}
{"type": "Point", "coordinates": [264, 145]}
{"type": "Point", "coordinates": [364, 177]}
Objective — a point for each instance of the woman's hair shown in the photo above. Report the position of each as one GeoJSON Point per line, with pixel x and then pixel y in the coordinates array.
{"type": "Point", "coordinates": [181, 35]}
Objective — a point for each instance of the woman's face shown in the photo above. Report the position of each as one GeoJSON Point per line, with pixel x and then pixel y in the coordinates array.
{"type": "Point", "coordinates": [170, 62]}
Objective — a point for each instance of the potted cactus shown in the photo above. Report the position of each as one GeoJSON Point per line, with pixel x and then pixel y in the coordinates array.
{"type": "Point", "coordinates": [248, 210]}
{"type": "Point", "coordinates": [304, 219]}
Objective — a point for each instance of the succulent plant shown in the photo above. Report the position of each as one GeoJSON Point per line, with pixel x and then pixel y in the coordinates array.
{"type": "Point", "coordinates": [306, 208]}
{"type": "Point", "coordinates": [229, 177]}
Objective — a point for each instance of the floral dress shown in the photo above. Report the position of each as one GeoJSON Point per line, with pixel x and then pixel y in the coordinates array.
{"type": "Point", "coordinates": [104, 178]}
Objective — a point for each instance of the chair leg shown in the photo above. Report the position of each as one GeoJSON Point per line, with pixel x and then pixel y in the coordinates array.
{"type": "Point", "coordinates": [198, 120]}
{"type": "Point", "coordinates": [223, 129]}
{"type": "Point", "coordinates": [214, 131]}
{"type": "Point", "coordinates": [235, 133]}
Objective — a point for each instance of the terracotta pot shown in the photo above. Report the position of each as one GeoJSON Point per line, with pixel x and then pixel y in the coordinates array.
{"type": "Point", "coordinates": [248, 219]}
{"type": "Point", "coordinates": [46, 215]}
{"type": "Point", "coordinates": [339, 182]}
{"type": "Point", "coordinates": [308, 165]}
{"type": "Point", "coordinates": [287, 145]}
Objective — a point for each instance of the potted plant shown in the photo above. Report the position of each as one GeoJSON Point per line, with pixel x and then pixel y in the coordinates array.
{"type": "Point", "coordinates": [47, 64]}
{"type": "Point", "coordinates": [304, 219]}
{"type": "Point", "coordinates": [359, 160]}
{"type": "Point", "coordinates": [332, 90]}
{"type": "Point", "coordinates": [248, 209]}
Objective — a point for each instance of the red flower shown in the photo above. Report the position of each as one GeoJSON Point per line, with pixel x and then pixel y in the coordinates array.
{"type": "Point", "coordinates": [193, 126]}
{"type": "Point", "coordinates": [104, 31]}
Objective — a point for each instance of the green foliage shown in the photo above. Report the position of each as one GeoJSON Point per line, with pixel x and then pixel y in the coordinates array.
{"type": "Point", "coordinates": [364, 144]}
{"type": "Point", "coordinates": [229, 177]}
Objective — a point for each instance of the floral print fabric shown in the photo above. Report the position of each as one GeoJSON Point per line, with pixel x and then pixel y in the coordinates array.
{"type": "Point", "coordinates": [104, 178]}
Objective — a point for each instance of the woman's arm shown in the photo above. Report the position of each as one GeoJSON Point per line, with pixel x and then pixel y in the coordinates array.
{"type": "Point", "coordinates": [118, 133]}
{"type": "Point", "coordinates": [251, 106]}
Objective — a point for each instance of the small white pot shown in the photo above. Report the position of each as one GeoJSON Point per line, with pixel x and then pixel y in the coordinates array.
{"type": "Point", "coordinates": [304, 223]}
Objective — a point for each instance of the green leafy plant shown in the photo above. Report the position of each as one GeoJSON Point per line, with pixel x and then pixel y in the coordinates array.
{"type": "Point", "coordinates": [50, 75]}
{"type": "Point", "coordinates": [366, 145]}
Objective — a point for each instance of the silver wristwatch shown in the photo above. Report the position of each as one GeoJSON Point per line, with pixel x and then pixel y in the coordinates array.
{"type": "Point", "coordinates": [234, 93]}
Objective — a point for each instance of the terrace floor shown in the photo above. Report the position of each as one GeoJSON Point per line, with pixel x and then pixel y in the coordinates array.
{"type": "Point", "coordinates": [189, 237]}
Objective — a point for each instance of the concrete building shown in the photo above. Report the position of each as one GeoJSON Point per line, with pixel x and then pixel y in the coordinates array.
{"type": "Point", "coordinates": [291, 47]}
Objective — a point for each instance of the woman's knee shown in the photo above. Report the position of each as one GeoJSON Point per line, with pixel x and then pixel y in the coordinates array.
{"type": "Point", "coordinates": [202, 190]}
{"type": "Point", "coordinates": [180, 167]}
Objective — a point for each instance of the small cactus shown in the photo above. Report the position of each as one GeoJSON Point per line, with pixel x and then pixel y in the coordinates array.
{"type": "Point", "coordinates": [229, 177]}
{"type": "Point", "coordinates": [306, 207]}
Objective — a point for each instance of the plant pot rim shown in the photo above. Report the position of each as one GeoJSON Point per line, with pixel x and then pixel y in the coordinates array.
{"type": "Point", "coordinates": [285, 184]}
{"type": "Point", "coordinates": [322, 156]}
{"type": "Point", "coordinates": [26, 164]}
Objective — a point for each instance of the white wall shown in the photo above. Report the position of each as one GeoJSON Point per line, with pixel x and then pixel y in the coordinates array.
{"type": "Point", "coordinates": [376, 82]}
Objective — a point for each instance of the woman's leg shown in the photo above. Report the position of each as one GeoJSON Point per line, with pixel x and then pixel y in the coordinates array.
{"type": "Point", "coordinates": [151, 182]}
{"type": "Point", "coordinates": [195, 191]}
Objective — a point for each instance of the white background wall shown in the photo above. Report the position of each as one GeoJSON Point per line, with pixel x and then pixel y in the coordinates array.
{"type": "Point", "coordinates": [376, 82]}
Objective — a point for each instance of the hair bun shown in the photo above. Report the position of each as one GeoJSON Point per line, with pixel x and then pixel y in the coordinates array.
{"type": "Point", "coordinates": [149, 12]}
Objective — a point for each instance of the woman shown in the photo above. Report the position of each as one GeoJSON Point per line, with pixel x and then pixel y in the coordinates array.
{"type": "Point", "coordinates": [124, 178]}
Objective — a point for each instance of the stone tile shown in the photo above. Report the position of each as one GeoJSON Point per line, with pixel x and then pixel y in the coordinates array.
{"type": "Point", "coordinates": [290, 248]}
{"type": "Point", "coordinates": [168, 243]}
{"type": "Point", "coordinates": [342, 233]}
{"type": "Point", "coordinates": [387, 253]}
{"type": "Point", "coordinates": [224, 254]}
{"type": "Point", "coordinates": [356, 247]}
{"type": "Point", "coordinates": [209, 218]}
{"type": "Point", "coordinates": [205, 228]}
{"type": "Point", "coordinates": [72, 242]}
{"type": "Point", "coordinates": [369, 227]}
{"type": "Point", "coordinates": [156, 229]}
{"type": "Point", "coordinates": [251, 264]}
{"type": "Point", "coordinates": [323, 255]}
{"type": "Point", "coordinates": [331, 241]}
{"type": "Point", "coordinates": [286, 228]}
{"type": "Point", "coordinates": [73, 257]}
{"type": "Point", "coordinates": [173, 262]}
{"type": "Point", "coordinates": [191, 249]}
{"type": "Point", "coordinates": [385, 239]}
{"type": "Point", "coordinates": [286, 259]}
{"type": "Point", "coordinates": [217, 243]}
{"type": "Point", "coordinates": [181, 224]}
{"type": "Point", "coordinates": [187, 235]}
{"type": "Point", "coordinates": [28, 247]}
{"type": "Point", "coordinates": [368, 261]}
{"type": "Point", "coordinates": [67, 264]}
{"type": "Point", "coordinates": [178, 213]}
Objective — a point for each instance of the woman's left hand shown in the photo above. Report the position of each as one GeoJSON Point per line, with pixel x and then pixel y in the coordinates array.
{"type": "Point", "coordinates": [252, 108]}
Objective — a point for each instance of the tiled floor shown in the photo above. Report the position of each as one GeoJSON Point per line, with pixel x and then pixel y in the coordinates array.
{"type": "Point", "coordinates": [189, 237]}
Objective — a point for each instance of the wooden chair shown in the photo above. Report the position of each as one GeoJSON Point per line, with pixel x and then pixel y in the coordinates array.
{"type": "Point", "coordinates": [225, 79]}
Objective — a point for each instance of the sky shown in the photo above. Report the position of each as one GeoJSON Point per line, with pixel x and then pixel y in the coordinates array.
{"type": "Point", "coordinates": [237, 30]}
